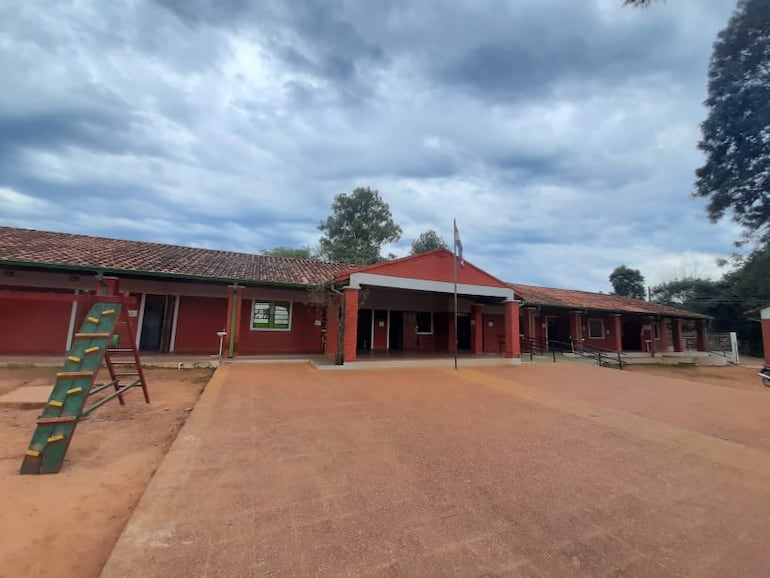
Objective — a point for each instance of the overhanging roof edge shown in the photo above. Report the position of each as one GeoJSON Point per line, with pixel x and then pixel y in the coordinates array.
{"type": "Point", "coordinates": [358, 279]}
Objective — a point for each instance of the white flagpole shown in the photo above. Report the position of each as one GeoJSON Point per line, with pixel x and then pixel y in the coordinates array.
{"type": "Point", "coordinates": [454, 270]}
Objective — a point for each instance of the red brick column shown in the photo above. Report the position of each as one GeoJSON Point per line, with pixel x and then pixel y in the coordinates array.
{"type": "Point", "coordinates": [351, 324]}
{"type": "Point", "coordinates": [676, 334]}
{"type": "Point", "coordinates": [478, 329]}
{"type": "Point", "coordinates": [617, 332]}
{"type": "Point", "coordinates": [765, 315]}
{"type": "Point", "coordinates": [700, 335]}
{"type": "Point", "coordinates": [512, 343]}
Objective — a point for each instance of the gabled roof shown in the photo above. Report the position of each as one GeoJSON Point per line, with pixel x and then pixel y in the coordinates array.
{"type": "Point", "coordinates": [433, 265]}
{"type": "Point", "coordinates": [570, 299]}
{"type": "Point", "coordinates": [42, 248]}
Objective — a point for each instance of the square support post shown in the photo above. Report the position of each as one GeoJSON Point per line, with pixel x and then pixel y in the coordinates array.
{"type": "Point", "coordinates": [700, 333]}
{"type": "Point", "coordinates": [233, 322]}
{"type": "Point", "coordinates": [351, 323]}
{"type": "Point", "coordinates": [575, 329]}
{"type": "Point", "coordinates": [512, 342]}
{"type": "Point", "coordinates": [478, 329]}
{"type": "Point", "coordinates": [617, 331]}
{"type": "Point", "coordinates": [676, 334]}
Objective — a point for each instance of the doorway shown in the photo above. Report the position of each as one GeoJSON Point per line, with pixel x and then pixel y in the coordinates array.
{"type": "Point", "coordinates": [396, 330]}
{"type": "Point", "coordinates": [552, 329]}
{"type": "Point", "coordinates": [464, 332]}
{"type": "Point", "coordinates": [632, 335]}
{"type": "Point", "coordinates": [364, 333]}
{"type": "Point", "coordinates": [152, 322]}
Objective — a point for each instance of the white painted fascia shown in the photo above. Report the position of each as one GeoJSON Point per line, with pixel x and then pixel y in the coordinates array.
{"type": "Point", "coordinates": [358, 279]}
{"type": "Point", "coordinates": [765, 313]}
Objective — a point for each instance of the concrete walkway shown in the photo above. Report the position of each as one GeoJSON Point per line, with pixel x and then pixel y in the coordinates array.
{"type": "Point", "coordinates": [536, 470]}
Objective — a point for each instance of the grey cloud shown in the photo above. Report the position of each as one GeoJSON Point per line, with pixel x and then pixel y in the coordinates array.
{"type": "Point", "coordinates": [561, 134]}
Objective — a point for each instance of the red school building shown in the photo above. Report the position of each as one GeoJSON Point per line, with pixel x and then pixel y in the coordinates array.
{"type": "Point", "coordinates": [271, 305]}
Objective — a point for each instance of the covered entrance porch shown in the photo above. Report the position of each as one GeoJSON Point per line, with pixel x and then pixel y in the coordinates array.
{"type": "Point", "coordinates": [387, 310]}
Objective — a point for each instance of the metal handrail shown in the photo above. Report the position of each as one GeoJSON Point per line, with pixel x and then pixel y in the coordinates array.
{"type": "Point", "coordinates": [603, 356]}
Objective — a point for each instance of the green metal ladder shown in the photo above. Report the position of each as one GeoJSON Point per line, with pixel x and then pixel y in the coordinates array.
{"type": "Point", "coordinates": [66, 406]}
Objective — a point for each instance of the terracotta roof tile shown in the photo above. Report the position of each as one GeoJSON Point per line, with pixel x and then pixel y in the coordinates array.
{"type": "Point", "coordinates": [46, 248]}
{"type": "Point", "coordinates": [571, 299]}
{"type": "Point", "coordinates": [42, 247]}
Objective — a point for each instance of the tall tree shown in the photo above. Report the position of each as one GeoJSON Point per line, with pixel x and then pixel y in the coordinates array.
{"type": "Point", "coordinates": [428, 240]}
{"type": "Point", "coordinates": [627, 282]}
{"type": "Point", "coordinates": [292, 252]}
{"type": "Point", "coordinates": [360, 224]}
{"type": "Point", "coordinates": [736, 133]}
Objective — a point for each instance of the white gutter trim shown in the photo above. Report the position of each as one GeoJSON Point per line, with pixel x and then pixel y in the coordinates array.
{"type": "Point", "coordinates": [358, 279]}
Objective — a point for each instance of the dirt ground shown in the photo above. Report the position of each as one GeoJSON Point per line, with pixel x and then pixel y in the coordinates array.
{"type": "Point", "coordinates": [536, 470]}
{"type": "Point", "coordinates": [65, 524]}
{"type": "Point", "coordinates": [725, 376]}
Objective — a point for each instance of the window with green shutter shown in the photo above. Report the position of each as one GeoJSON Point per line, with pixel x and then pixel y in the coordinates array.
{"type": "Point", "coordinates": [271, 315]}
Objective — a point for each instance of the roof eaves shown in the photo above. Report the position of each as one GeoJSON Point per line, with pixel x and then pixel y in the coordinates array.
{"type": "Point", "coordinates": [672, 313]}
{"type": "Point", "coordinates": [143, 273]}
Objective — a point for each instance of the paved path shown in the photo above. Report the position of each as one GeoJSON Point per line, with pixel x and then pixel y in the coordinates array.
{"type": "Point", "coordinates": [520, 471]}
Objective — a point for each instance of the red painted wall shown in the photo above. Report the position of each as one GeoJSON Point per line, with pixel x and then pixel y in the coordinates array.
{"type": "Point", "coordinates": [332, 326]}
{"type": "Point", "coordinates": [608, 341]}
{"type": "Point", "coordinates": [495, 335]}
{"type": "Point", "coordinates": [441, 323]}
{"type": "Point", "coordinates": [199, 320]}
{"type": "Point", "coordinates": [303, 337]}
{"type": "Point", "coordinates": [435, 266]}
{"type": "Point", "coordinates": [380, 333]}
{"type": "Point", "coordinates": [33, 326]}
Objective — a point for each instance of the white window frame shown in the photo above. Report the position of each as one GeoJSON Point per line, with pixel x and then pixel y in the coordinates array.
{"type": "Point", "coordinates": [272, 304]}
{"type": "Point", "coordinates": [431, 323]}
{"type": "Point", "coordinates": [601, 322]}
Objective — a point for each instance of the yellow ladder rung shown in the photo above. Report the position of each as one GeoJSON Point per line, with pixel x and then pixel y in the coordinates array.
{"type": "Point", "coordinates": [55, 403]}
{"type": "Point", "coordinates": [56, 438]}
{"type": "Point", "coordinates": [91, 335]}
{"type": "Point", "coordinates": [93, 320]}
{"type": "Point", "coordinates": [32, 453]}
{"type": "Point", "coordinates": [73, 359]}
{"type": "Point", "coordinates": [74, 390]}
{"type": "Point", "coordinates": [93, 349]}
{"type": "Point", "coordinates": [108, 312]}
{"type": "Point", "coordinates": [73, 374]}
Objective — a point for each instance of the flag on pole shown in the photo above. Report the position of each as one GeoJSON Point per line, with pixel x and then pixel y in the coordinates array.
{"type": "Point", "coordinates": [458, 245]}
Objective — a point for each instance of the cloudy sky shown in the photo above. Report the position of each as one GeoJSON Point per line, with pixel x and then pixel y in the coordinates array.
{"type": "Point", "coordinates": [561, 134]}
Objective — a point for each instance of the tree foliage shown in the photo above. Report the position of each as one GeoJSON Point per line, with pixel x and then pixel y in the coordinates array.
{"type": "Point", "coordinates": [428, 240]}
{"type": "Point", "coordinates": [627, 282]}
{"type": "Point", "coordinates": [291, 252]}
{"type": "Point", "coordinates": [691, 293]}
{"type": "Point", "coordinates": [736, 133]}
{"type": "Point", "coordinates": [360, 224]}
